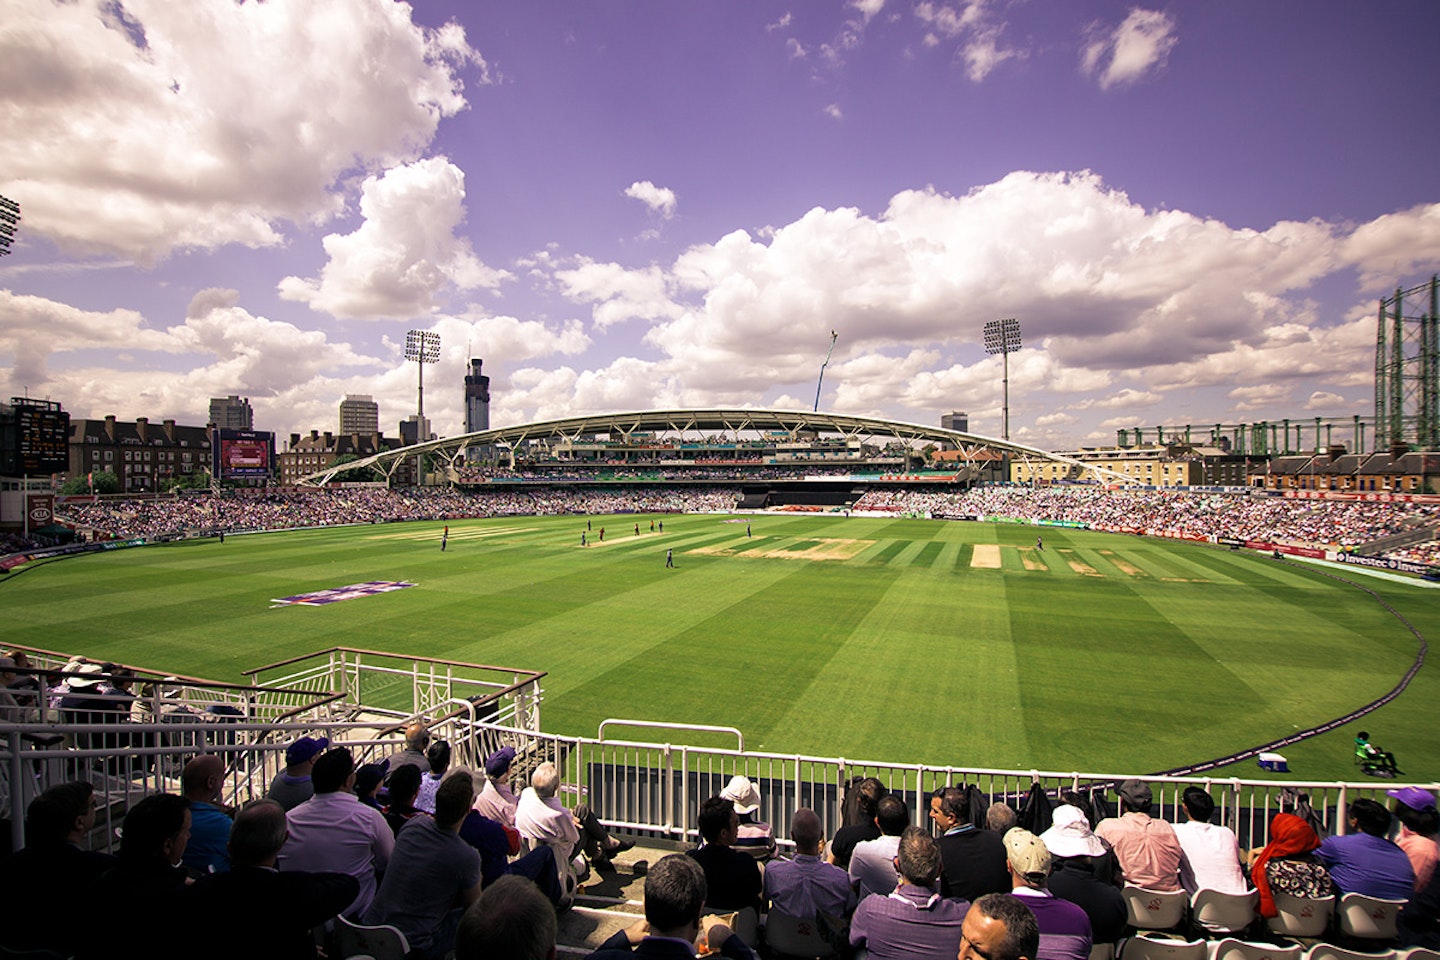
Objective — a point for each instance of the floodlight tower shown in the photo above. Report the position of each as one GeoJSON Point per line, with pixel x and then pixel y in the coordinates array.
{"type": "Point", "coordinates": [1003, 337]}
{"type": "Point", "coordinates": [423, 347]}
{"type": "Point", "coordinates": [9, 218]}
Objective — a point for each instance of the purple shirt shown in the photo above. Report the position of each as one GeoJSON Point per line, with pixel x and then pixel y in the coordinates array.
{"type": "Point", "coordinates": [806, 884]}
{"type": "Point", "coordinates": [912, 923]}
{"type": "Point", "coordinates": [1360, 863]}
{"type": "Point", "coordinates": [1064, 927]}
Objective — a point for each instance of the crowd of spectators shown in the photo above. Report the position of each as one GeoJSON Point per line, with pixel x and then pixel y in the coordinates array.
{"type": "Point", "coordinates": [259, 877]}
{"type": "Point", "coordinates": [205, 514]}
{"type": "Point", "coordinates": [1343, 523]}
{"type": "Point", "coordinates": [1244, 516]}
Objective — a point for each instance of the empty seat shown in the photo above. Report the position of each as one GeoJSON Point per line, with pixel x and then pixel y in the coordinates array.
{"type": "Point", "coordinates": [1231, 949]}
{"type": "Point", "coordinates": [382, 941]}
{"type": "Point", "coordinates": [1224, 912]}
{"type": "Point", "coordinates": [795, 936]}
{"type": "Point", "coordinates": [1301, 916]}
{"type": "Point", "coordinates": [1155, 948]}
{"type": "Point", "coordinates": [1328, 951]}
{"type": "Point", "coordinates": [1417, 953]}
{"type": "Point", "coordinates": [1155, 909]}
{"type": "Point", "coordinates": [1368, 918]}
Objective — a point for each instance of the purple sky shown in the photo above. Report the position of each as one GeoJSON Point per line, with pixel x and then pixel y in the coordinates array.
{"type": "Point", "coordinates": [1192, 209]}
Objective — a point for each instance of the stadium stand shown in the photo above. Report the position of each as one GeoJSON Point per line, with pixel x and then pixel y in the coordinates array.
{"type": "Point", "coordinates": [645, 790]}
{"type": "Point", "coordinates": [137, 745]}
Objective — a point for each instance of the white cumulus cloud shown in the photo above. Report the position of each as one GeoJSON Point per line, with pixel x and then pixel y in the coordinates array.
{"type": "Point", "coordinates": [139, 127]}
{"type": "Point", "coordinates": [660, 200]}
{"type": "Point", "coordinates": [404, 254]}
{"type": "Point", "coordinates": [1138, 46]}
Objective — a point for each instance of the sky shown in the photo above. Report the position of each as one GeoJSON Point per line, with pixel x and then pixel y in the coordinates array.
{"type": "Point", "coordinates": [1191, 208]}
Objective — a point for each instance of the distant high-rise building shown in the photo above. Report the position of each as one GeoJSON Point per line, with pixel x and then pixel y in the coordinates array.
{"type": "Point", "coordinates": [359, 414]}
{"type": "Point", "coordinates": [477, 399]}
{"type": "Point", "coordinates": [413, 430]}
{"type": "Point", "coordinates": [955, 421]}
{"type": "Point", "coordinates": [232, 413]}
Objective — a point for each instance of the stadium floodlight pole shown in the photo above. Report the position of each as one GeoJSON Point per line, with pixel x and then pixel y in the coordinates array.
{"type": "Point", "coordinates": [1003, 337]}
{"type": "Point", "coordinates": [833, 336]}
{"type": "Point", "coordinates": [423, 347]}
{"type": "Point", "coordinates": [9, 218]}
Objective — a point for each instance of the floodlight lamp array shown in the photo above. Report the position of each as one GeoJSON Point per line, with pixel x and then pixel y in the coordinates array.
{"type": "Point", "coordinates": [1002, 336]}
{"type": "Point", "coordinates": [9, 217]}
{"type": "Point", "coordinates": [422, 346]}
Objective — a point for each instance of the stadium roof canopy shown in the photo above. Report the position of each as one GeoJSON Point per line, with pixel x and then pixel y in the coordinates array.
{"type": "Point", "coordinates": [735, 422]}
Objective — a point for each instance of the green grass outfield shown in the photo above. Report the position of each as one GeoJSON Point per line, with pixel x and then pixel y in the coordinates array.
{"type": "Point", "coordinates": [908, 640]}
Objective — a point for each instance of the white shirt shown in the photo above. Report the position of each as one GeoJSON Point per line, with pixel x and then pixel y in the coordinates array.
{"type": "Point", "coordinates": [872, 865]}
{"type": "Point", "coordinates": [545, 820]}
{"type": "Point", "coordinates": [1212, 858]}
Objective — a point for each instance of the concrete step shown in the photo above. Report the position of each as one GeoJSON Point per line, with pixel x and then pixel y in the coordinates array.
{"type": "Point", "coordinates": [608, 901]}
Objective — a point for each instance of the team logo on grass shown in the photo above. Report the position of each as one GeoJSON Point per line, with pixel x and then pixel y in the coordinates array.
{"type": "Point", "coordinates": [335, 594]}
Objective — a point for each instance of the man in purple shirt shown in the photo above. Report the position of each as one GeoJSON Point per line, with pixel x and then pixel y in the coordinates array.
{"type": "Point", "coordinates": [913, 922]}
{"type": "Point", "coordinates": [1064, 926]}
{"type": "Point", "coordinates": [806, 885]}
{"type": "Point", "coordinates": [1363, 861]}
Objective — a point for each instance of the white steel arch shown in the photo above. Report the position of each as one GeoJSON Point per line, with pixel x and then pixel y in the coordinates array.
{"type": "Point", "coordinates": [721, 420]}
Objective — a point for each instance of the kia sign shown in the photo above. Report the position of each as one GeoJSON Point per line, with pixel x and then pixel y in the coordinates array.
{"type": "Point", "coordinates": [41, 511]}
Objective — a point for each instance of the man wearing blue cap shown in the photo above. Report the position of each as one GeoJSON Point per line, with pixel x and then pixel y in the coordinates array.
{"type": "Point", "coordinates": [291, 786]}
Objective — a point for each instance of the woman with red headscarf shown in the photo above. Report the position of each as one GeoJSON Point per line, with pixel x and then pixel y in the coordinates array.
{"type": "Point", "coordinates": [1286, 864]}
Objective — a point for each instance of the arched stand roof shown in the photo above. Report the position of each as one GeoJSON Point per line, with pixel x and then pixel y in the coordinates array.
{"type": "Point", "coordinates": [711, 422]}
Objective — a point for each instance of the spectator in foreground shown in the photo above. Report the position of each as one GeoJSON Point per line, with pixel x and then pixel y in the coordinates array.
{"type": "Point", "coordinates": [754, 837]}
{"type": "Point", "coordinates": [1364, 861]}
{"type": "Point", "coordinates": [497, 801]}
{"type": "Point", "coordinates": [40, 882]}
{"type": "Point", "coordinates": [542, 818]}
{"type": "Point", "coordinates": [437, 755]}
{"type": "Point", "coordinates": [867, 804]}
{"type": "Point", "coordinates": [999, 927]}
{"type": "Point", "coordinates": [914, 922]}
{"type": "Point", "coordinates": [202, 780]}
{"type": "Point", "coordinates": [1146, 849]}
{"type": "Point", "coordinates": [291, 786]}
{"type": "Point", "coordinates": [404, 788]}
{"type": "Point", "coordinates": [226, 906]}
{"type": "Point", "coordinates": [333, 832]}
{"type": "Point", "coordinates": [1419, 822]}
{"type": "Point", "coordinates": [417, 739]}
{"type": "Point", "coordinates": [512, 919]}
{"type": "Point", "coordinates": [1064, 927]}
{"type": "Point", "coordinates": [146, 889]}
{"type": "Point", "coordinates": [1287, 865]}
{"type": "Point", "coordinates": [1212, 853]}
{"type": "Point", "coordinates": [732, 878]}
{"type": "Point", "coordinates": [675, 896]}
{"type": "Point", "coordinates": [1074, 852]}
{"type": "Point", "coordinates": [433, 875]}
{"type": "Point", "coordinates": [973, 859]}
{"type": "Point", "coordinates": [806, 885]}
{"type": "Point", "coordinates": [872, 865]}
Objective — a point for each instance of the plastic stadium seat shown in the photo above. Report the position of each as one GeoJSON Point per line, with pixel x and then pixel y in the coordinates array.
{"type": "Point", "coordinates": [1417, 953]}
{"type": "Point", "coordinates": [382, 942]}
{"type": "Point", "coordinates": [1300, 916]}
{"type": "Point", "coordinates": [1102, 951]}
{"type": "Point", "coordinates": [1224, 912]}
{"type": "Point", "coordinates": [1328, 951]}
{"type": "Point", "coordinates": [795, 936]}
{"type": "Point", "coordinates": [1368, 918]}
{"type": "Point", "coordinates": [1155, 909]}
{"type": "Point", "coordinates": [1232, 949]}
{"type": "Point", "coordinates": [1153, 948]}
